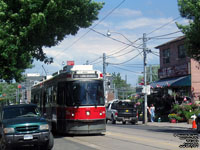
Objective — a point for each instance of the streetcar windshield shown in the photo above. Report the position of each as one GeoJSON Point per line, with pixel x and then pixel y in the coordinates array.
{"type": "Point", "coordinates": [85, 93]}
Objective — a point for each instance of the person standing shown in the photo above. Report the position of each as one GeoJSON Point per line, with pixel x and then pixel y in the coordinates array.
{"type": "Point", "coordinates": [152, 112]}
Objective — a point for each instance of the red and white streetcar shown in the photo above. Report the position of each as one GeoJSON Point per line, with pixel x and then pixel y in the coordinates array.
{"type": "Point", "coordinates": [73, 100]}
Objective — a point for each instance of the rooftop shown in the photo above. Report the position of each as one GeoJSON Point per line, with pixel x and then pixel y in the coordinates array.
{"type": "Point", "coordinates": [172, 41]}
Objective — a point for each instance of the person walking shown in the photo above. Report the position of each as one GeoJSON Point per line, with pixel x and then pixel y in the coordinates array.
{"type": "Point", "coordinates": [152, 112]}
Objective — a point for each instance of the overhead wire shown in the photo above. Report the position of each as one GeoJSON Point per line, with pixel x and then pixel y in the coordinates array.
{"type": "Point", "coordinates": [127, 70]}
{"type": "Point", "coordinates": [126, 60]}
{"type": "Point", "coordinates": [115, 39]}
{"type": "Point", "coordinates": [124, 53]}
{"type": "Point", "coordinates": [155, 54]}
{"type": "Point", "coordinates": [128, 45]}
{"type": "Point", "coordinates": [95, 59]}
{"type": "Point", "coordinates": [164, 35]}
{"type": "Point", "coordinates": [92, 27]}
{"type": "Point", "coordinates": [164, 25]}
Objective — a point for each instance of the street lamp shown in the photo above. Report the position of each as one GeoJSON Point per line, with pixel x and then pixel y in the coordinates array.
{"type": "Point", "coordinates": [109, 34]}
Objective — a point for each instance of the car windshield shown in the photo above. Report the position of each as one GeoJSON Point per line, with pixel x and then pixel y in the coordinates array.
{"type": "Point", "coordinates": [14, 112]}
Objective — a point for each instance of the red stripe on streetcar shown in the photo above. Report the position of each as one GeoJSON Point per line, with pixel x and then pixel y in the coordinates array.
{"type": "Point", "coordinates": [85, 113]}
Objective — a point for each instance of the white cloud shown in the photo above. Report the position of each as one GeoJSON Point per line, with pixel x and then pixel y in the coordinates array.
{"type": "Point", "coordinates": [143, 22]}
{"type": "Point", "coordinates": [125, 12]}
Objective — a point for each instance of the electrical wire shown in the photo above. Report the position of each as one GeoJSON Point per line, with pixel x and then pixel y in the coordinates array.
{"type": "Point", "coordinates": [115, 39]}
{"type": "Point", "coordinates": [164, 25]}
{"type": "Point", "coordinates": [126, 60]}
{"type": "Point", "coordinates": [155, 54]}
{"type": "Point", "coordinates": [92, 27]}
{"type": "Point", "coordinates": [166, 38]}
{"type": "Point", "coordinates": [164, 35]}
{"type": "Point", "coordinates": [96, 59]}
{"type": "Point", "coordinates": [125, 53]}
{"type": "Point", "coordinates": [96, 63]}
{"type": "Point", "coordinates": [127, 70]}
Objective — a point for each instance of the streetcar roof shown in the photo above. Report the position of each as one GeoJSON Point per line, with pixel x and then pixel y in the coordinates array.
{"type": "Point", "coordinates": [78, 69]}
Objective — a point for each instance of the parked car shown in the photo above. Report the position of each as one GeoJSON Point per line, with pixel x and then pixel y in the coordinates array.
{"type": "Point", "coordinates": [122, 110]}
{"type": "Point", "coordinates": [23, 125]}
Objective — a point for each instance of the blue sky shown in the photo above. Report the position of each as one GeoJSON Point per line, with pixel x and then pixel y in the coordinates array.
{"type": "Point", "coordinates": [130, 20]}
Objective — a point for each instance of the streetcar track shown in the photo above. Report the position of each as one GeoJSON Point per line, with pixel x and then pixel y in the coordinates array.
{"type": "Point", "coordinates": [153, 137]}
{"type": "Point", "coordinates": [125, 138]}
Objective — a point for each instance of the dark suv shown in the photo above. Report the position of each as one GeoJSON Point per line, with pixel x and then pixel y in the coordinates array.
{"type": "Point", "coordinates": [23, 125]}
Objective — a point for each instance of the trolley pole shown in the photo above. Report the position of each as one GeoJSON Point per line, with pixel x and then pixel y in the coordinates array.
{"type": "Point", "coordinates": [145, 80]}
{"type": "Point", "coordinates": [104, 75]}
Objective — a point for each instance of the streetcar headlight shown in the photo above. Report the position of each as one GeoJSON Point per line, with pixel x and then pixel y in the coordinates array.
{"type": "Point", "coordinates": [44, 127]}
{"type": "Point", "coordinates": [9, 130]}
{"type": "Point", "coordinates": [87, 113]}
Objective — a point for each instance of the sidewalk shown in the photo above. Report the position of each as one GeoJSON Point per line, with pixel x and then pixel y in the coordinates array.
{"type": "Point", "coordinates": [183, 125]}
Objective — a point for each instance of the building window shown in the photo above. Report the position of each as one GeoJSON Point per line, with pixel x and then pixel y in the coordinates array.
{"type": "Point", "coordinates": [166, 56]}
{"type": "Point", "coordinates": [181, 51]}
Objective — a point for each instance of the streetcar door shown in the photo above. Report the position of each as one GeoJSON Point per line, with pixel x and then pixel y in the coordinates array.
{"type": "Point", "coordinates": [61, 109]}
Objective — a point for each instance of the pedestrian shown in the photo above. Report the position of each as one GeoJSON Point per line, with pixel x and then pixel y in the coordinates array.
{"type": "Point", "coordinates": [148, 113]}
{"type": "Point", "coordinates": [152, 112]}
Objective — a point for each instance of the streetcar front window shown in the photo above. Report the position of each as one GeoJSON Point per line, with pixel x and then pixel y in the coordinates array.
{"type": "Point", "coordinates": [82, 93]}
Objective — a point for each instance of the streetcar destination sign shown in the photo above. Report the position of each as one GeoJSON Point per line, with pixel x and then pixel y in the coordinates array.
{"type": "Point", "coordinates": [85, 76]}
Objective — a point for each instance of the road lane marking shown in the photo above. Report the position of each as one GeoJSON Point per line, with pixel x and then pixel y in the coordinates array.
{"type": "Point", "coordinates": [153, 143]}
{"type": "Point", "coordinates": [80, 141]}
{"type": "Point", "coordinates": [142, 139]}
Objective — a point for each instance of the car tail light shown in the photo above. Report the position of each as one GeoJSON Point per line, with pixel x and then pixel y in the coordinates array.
{"type": "Point", "coordinates": [116, 113]}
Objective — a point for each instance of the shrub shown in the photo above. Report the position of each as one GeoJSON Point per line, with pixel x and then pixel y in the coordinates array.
{"type": "Point", "coordinates": [185, 110]}
{"type": "Point", "coordinates": [174, 116]}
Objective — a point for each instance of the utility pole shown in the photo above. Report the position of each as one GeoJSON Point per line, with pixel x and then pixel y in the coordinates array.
{"type": "Point", "coordinates": [151, 74]}
{"type": "Point", "coordinates": [104, 73]}
{"type": "Point", "coordinates": [145, 80]}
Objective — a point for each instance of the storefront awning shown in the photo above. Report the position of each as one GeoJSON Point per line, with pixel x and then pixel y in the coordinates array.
{"type": "Point", "coordinates": [172, 82]}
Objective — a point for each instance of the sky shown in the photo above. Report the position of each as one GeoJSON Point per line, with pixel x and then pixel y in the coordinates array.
{"type": "Point", "coordinates": [126, 21]}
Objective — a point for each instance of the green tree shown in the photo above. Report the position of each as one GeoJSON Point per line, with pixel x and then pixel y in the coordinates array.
{"type": "Point", "coordinates": [26, 26]}
{"type": "Point", "coordinates": [190, 9]}
{"type": "Point", "coordinates": [124, 89]}
{"type": "Point", "coordinates": [153, 74]}
{"type": "Point", "coordinates": [118, 81]}
{"type": "Point", "coordinates": [8, 91]}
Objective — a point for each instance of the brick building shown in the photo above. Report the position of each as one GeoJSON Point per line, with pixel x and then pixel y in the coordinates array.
{"type": "Point", "coordinates": [178, 73]}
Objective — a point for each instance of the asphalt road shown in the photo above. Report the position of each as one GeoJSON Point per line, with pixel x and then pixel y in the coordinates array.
{"type": "Point", "coordinates": [129, 137]}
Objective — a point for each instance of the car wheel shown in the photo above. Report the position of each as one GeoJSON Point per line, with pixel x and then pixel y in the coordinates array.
{"type": "Point", "coordinates": [124, 122]}
{"type": "Point", "coordinates": [2, 144]}
{"type": "Point", "coordinates": [50, 143]}
{"type": "Point", "coordinates": [113, 120]}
